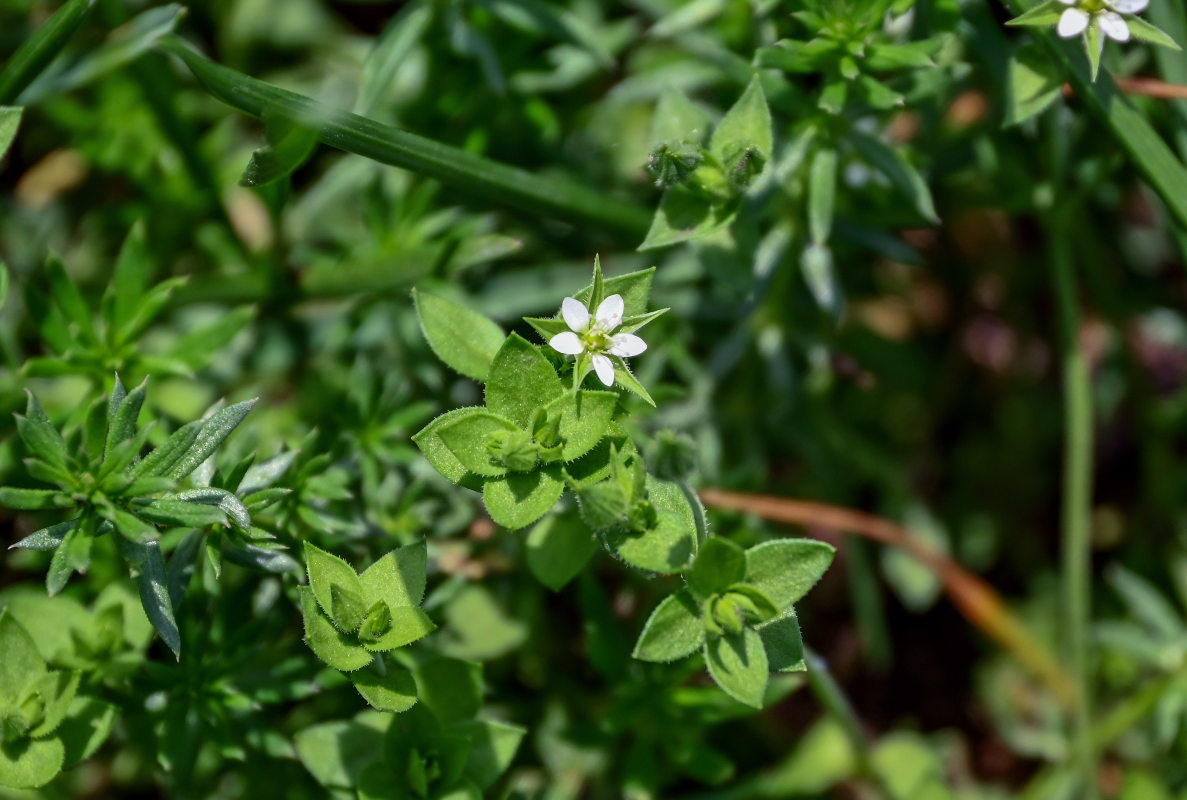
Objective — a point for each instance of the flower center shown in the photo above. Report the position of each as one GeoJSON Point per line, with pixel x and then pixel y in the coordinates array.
{"type": "Point", "coordinates": [595, 339]}
{"type": "Point", "coordinates": [1093, 6]}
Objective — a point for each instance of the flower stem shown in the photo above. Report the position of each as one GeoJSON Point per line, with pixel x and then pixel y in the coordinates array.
{"type": "Point", "coordinates": [1077, 505]}
{"type": "Point", "coordinates": [832, 697]}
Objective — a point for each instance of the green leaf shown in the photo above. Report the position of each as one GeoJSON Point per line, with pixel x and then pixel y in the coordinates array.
{"type": "Point", "coordinates": [1035, 83]}
{"type": "Point", "coordinates": [684, 215]}
{"type": "Point", "coordinates": [148, 568]}
{"type": "Point", "coordinates": [85, 729]}
{"type": "Point", "coordinates": [428, 440]}
{"type": "Point", "coordinates": [738, 664]}
{"type": "Point", "coordinates": [449, 687]}
{"type": "Point", "coordinates": [747, 124]}
{"type": "Point", "coordinates": [820, 274]}
{"type": "Point", "coordinates": [521, 380]}
{"type": "Point", "coordinates": [70, 300]}
{"type": "Point", "coordinates": [398, 40]}
{"type": "Point", "coordinates": [897, 169]}
{"type": "Point", "coordinates": [492, 748]}
{"type": "Point", "coordinates": [477, 627]}
{"type": "Point", "coordinates": [558, 547]}
{"type": "Point", "coordinates": [162, 459]}
{"type": "Point", "coordinates": [785, 569]}
{"type": "Point", "coordinates": [678, 119]}
{"type": "Point", "coordinates": [822, 192]}
{"type": "Point", "coordinates": [783, 644]}
{"type": "Point", "coordinates": [33, 499]}
{"type": "Point", "coordinates": [73, 555]}
{"type": "Point", "coordinates": [20, 662]}
{"type": "Point", "coordinates": [407, 625]}
{"type": "Point", "coordinates": [133, 268]}
{"type": "Point", "coordinates": [394, 691]}
{"type": "Point", "coordinates": [57, 690]}
{"type": "Point", "coordinates": [673, 631]}
{"type": "Point", "coordinates": [1043, 15]}
{"type": "Point", "coordinates": [30, 763]}
{"type": "Point", "coordinates": [518, 499]}
{"type": "Point", "coordinates": [465, 340]}
{"type": "Point", "coordinates": [916, 55]}
{"type": "Point", "coordinates": [10, 121]}
{"type": "Point", "coordinates": [38, 50]}
{"type": "Point", "coordinates": [327, 642]}
{"type": "Point", "coordinates": [180, 514]}
{"type": "Point", "coordinates": [461, 169]}
{"type": "Point", "coordinates": [397, 578]}
{"type": "Point", "coordinates": [46, 539]}
{"type": "Point", "coordinates": [1138, 28]}
{"type": "Point", "coordinates": [288, 144]}
{"type": "Point", "coordinates": [466, 439]}
{"type": "Point", "coordinates": [335, 753]}
{"type": "Point", "coordinates": [719, 564]}
{"type": "Point", "coordinates": [326, 570]}
{"type": "Point", "coordinates": [198, 346]}
{"type": "Point", "coordinates": [669, 546]}
{"type": "Point", "coordinates": [40, 436]}
{"type": "Point", "coordinates": [584, 419]}
{"type": "Point", "coordinates": [213, 432]}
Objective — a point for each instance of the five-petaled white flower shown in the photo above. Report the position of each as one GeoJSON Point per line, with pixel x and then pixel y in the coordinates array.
{"type": "Point", "coordinates": [1106, 13]}
{"type": "Point", "coordinates": [595, 335]}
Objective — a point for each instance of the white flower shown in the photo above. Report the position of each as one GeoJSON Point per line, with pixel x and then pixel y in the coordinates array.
{"type": "Point", "coordinates": [1106, 13]}
{"type": "Point", "coordinates": [596, 335]}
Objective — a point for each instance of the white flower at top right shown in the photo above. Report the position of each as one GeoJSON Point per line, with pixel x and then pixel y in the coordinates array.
{"type": "Point", "coordinates": [1106, 13]}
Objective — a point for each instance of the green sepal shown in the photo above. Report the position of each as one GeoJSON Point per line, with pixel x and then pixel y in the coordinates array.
{"type": "Point", "coordinates": [673, 631]}
{"type": "Point", "coordinates": [738, 664]}
{"type": "Point", "coordinates": [1094, 45]}
{"type": "Point", "coordinates": [1043, 15]}
{"type": "Point", "coordinates": [1144, 31]}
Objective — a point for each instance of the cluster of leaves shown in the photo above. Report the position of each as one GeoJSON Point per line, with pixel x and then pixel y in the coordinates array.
{"type": "Point", "coordinates": [98, 471]}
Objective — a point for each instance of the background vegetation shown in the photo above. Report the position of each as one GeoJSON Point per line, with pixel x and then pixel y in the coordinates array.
{"type": "Point", "coordinates": [934, 314]}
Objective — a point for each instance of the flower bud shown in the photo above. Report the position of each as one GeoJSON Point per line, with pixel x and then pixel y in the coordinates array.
{"type": "Point", "coordinates": [514, 450]}
{"type": "Point", "coordinates": [672, 456]}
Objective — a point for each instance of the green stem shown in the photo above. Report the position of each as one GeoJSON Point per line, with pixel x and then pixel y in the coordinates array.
{"type": "Point", "coordinates": [1077, 504]}
{"type": "Point", "coordinates": [832, 697]}
{"type": "Point", "coordinates": [698, 512]}
{"type": "Point", "coordinates": [498, 183]}
{"type": "Point", "coordinates": [40, 49]}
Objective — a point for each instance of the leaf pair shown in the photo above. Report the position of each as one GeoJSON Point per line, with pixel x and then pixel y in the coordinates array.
{"type": "Point", "coordinates": [44, 726]}
{"type": "Point", "coordinates": [352, 619]}
{"type": "Point", "coordinates": [737, 608]}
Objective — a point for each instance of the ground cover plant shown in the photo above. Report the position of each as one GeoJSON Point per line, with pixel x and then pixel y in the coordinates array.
{"type": "Point", "coordinates": [656, 399]}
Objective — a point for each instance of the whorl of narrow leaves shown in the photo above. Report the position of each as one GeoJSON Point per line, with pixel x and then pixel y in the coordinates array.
{"type": "Point", "coordinates": [114, 490]}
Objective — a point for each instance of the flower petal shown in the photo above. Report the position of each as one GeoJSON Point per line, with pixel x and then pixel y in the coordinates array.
{"type": "Point", "coordinates": [1113, 26]}
{"type": "Point", "coordinates": [610, 312]}
{"type": "Point", "coordinates": [1069, 2]}
{"type": "Point", "coordinates": [605, 369]}
{"type": "Point", "coordinates": [626, 345]}
{"type": "Point", "coordinates": [1128, 6]}
{"type": "Point", "coordinates": [568, 343]}
{"type": "Point", "coordinates": [1072, 23]}
{"type": "Point", "coordinates": [575, 313]}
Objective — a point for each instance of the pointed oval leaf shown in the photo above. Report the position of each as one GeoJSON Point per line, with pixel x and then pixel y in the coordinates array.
{"type": "Point", "coordinates": [521, 380]}
{"type": "Point", "coordinates": [397, 578]}
{"type": "Point", "coordinates": [674, 629]}
{"type": "Point", "coordinates": [325, 570]}
{"type": "Point", "coordinates": [785, 569]}
{"type": "Point", "coordinates": [719, 563]}
{"type": "Point", "coordinates": [520, 498]}
{"type": "Point", "coordinates": [465, 340]}
{"type": "Point", "coordinates": [327, 642]}
{"type": "Point", "coordinates": [738, 664]}
{"type": "Point", "coordinates": [394, 691]}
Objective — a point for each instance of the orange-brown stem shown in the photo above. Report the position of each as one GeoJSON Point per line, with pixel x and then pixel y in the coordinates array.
{"type": "Point", "coordinates": [976, 600]}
